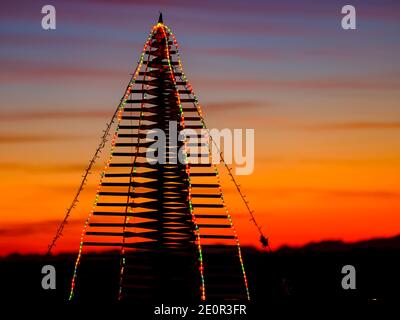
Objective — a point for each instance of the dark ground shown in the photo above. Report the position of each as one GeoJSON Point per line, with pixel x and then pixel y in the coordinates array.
{"type": "Point", "coordinates": [285, 277]}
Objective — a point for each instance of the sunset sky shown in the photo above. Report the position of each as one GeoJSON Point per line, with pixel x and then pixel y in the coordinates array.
{"type": "Point", "coordinates": [324, 103]}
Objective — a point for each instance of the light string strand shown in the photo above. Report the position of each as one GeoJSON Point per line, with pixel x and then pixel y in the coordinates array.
{"type": "Point", "coordinates": [199, 111]}
{"type": "Point", "coordinates": [102, 175]}
{"type": "Point", "coordinates": [131, 179]}
{"type": "Point", "coordinates": [197, 230]}
{"type": "Point", "coordinates": [83, 182]}
{"type": "Point", "coordinates": [263, 239]}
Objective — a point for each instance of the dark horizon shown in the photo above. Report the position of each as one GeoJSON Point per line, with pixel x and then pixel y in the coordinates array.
{"type": "Point", "coordinates": [327, 245]}
{"type": "Point", "coordinates": [284, 276]}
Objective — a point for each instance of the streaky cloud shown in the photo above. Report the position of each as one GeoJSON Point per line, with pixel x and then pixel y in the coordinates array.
{"type": "Point", "coordinates": [32, 138]}
{"type": "Point", "coordinates": [52, 114]}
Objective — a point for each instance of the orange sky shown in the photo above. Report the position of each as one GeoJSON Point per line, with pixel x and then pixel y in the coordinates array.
{"type": "Point", "coordinates": [307, 186]}
{"type": "Point", "coordinates": [324, 105]}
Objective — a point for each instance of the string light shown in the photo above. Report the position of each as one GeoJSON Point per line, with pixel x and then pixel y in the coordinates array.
{"type": "Point", "coordinates": [188, 86]}
{"type": "Point", "coordinates": [102, 175]}
{"type": "Point", "coordinates": [200, 113]}
{"type": "Point", "coordinates": [131, 179]}
{"type": "Point", "coordinates": [197, 230]}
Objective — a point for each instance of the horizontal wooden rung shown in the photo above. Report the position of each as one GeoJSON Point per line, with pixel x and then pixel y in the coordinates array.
{"type": "Point", "coordinates": [129, 154]}
{"type": "Point", "coordinates": [208, 225]}
{"type": "Point", "coordinates": [205, 185]}
{"type": "Point", "coordinates": [132, 135]}
{"type": "Point", "coordinates": [154, 118]}
{"type": "Point", "coordinates": [152, 100]}
{"type": "Point", "coordinates": [126, 234]}
{"type": "Point", "coordinates": [128, 225]}
{"type": "Point", "coordinates": [119, 194]}
{"type": "Point", "coordinates": [134, 144]}
{"type": "Point", "coordinates": [192, 126]}
{"type": "Point", "coordinates": [205, 195]}
{"type": "Point", "coordinates": [148, 215]}
{"type": "Point", "coordinates": [164, 63]}
{"type": "Point", "coordinates": [208, 205]}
